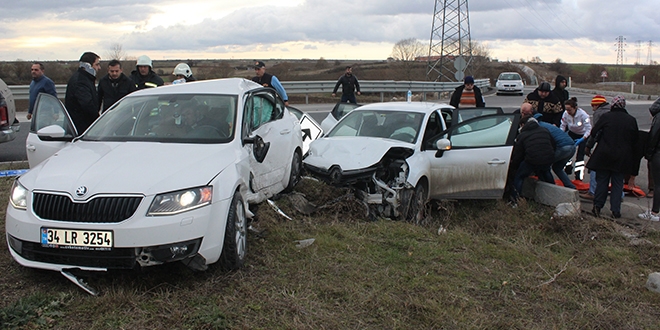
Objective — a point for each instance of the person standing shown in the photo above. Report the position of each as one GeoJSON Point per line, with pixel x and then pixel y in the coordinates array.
{"type": "Point", "coordinates": [615, 136]}
{"type": "Point", "coordinates": [349, 84]}
{"type": "Point", "coordinates": [560, 90]}
{"type": "Point", "coordinates": [39, 84]}
{"type": "Point", "coordinates": [114, 85]}
{"type": "Point", "coordinates": [577, 123]}
{"type": "Point", "coordinates": [600, 106]}
{"type": "Point", "coordinates": [144, 76]}
{"type": "Point", "coordinates": [268, 80]}
{"type": "Point", "coordinates": [467, 95]}
{"type": "Point", "coordinates": [81, 100]}
{"type": "Point", "coordinates": [653, 157]}
{"type": "Point", "coordinates": [543, 101]}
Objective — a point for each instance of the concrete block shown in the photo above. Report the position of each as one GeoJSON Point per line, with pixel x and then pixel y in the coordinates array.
{"type": "Point", "coordinates": [549, 194]}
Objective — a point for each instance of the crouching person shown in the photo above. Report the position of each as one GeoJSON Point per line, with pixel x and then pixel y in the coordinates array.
{"type": "Point", "coordinates": [533, 152]}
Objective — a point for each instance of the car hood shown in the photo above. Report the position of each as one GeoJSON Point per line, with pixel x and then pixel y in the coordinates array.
{"type": "Point", "coordinates": [352, 153]}
{"type": "Point", "coordinates": [129, 167]}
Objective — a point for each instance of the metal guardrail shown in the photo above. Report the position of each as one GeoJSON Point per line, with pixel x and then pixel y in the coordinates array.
{"type": "Point", "coordinates": [22, 92]}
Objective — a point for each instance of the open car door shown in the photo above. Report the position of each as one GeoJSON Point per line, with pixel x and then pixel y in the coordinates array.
{"type": "Point", "coordinates": [51, 129]}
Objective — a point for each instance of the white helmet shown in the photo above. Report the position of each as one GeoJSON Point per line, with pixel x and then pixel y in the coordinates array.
{"type": "Point", "coordinates": [182, 69]}
{"type": "Point", "coordinates": [144, 60]}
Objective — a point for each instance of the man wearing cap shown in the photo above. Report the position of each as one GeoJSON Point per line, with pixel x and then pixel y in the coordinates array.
{"type": "Point", "coordinates": [467, 95]}
{"type": "Point", "coordinates": [543, 101]}
{"type": "Point", "coordinates": [616, 135]}
{"type": "Point", "coordinates": [144, 76]}
{"type": "Point", "coordinates": [600, 106]}
{"type": "Point", "coordinates": [268, 80]}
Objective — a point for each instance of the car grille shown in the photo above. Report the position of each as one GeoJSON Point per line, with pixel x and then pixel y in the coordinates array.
{"type": "Point", "coordinates": [98, 210]}
{"type": "Point", "coordinates": [117, 258]}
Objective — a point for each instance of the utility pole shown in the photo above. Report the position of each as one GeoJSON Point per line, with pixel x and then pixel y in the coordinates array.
{"type": "Point", "coordinates": [649, 57]}
{"type": "Point", "coordinates": [450, 47]}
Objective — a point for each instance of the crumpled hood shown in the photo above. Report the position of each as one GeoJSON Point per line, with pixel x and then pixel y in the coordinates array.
{"type": "Point", "coordinates": [129, 167]}
{"type": "Point", "coordinates": [350, 153]}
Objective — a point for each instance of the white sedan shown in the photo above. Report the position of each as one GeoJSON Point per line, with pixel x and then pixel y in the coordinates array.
{"type": "Point", "coordinates": [166, 174]}
{"type": "Point", "coordinates": [399, 155]}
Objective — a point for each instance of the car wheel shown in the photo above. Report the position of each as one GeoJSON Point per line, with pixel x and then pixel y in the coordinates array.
{"type": "Point", "coordinates": [417, 210]}
{"type": "Point", "coordinates": [234, 248]}
{"type": "Point", "coordinates": [294, 176]}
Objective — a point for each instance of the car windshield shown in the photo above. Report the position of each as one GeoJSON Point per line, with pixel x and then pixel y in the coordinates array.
{"type": "Point", "coordinates": [398, 125]}
{"type": "Point", "coordinates": [509, 76]}
{"type": "Point", "coordinates": [177, 118]}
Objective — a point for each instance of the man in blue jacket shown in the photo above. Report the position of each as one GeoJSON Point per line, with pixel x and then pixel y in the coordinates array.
{"type": "Point", "coordinates": [39, 84]}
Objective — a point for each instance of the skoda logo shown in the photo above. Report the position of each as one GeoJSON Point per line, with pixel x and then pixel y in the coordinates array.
{"type": "Point", "coordinates": [81, 191]}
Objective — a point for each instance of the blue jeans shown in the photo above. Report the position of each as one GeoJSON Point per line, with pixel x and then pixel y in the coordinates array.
{"type": "Point", "coordinates": [592, 182]}
{"type": "Point", "coordinates": [603, 179]}
{"type": "Point", "coordinates": [525, 170]}
{"type": "Point", "coordinates": [562, 155]}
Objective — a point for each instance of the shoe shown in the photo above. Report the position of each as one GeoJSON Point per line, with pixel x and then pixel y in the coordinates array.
{"type": "Point", "coordinates": [596, 211]}
{"type": "Point", "coordinates": [616, 215]}
{"type": "Point", "coordinates": [586, 195]}
{"type": "Point", "coordinates": [648, 215]}
{"type": "Point", "coordinates": [650, 194]}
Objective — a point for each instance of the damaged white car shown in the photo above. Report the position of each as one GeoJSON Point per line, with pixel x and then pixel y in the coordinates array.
{"type": "Point", "coordinates": [399, 155]}
{"type": "Point", "coordinates": [166, 174]}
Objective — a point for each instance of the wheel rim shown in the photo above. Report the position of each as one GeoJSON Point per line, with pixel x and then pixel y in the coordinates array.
{"type": "Point", "coordinates": [241, 230]}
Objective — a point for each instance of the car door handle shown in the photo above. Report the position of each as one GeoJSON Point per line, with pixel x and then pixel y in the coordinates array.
{"type": "Point", "coordinates": [285, 132]}
{"type": "Point", "coordinates": [496, 162]}
{"type": "Point", "coordinates": [30, 147]}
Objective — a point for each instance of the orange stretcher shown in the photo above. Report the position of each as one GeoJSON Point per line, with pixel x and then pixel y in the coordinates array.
{"type": "Point", "coordinates": [582, 186]}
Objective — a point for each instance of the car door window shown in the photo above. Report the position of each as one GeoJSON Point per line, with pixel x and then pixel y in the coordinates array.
{"type": "Point", "coordinates": [262, 108]}
{"type": "Point", "coordinates": [50, 111]}
{"type": "Point", "coordinates": [487, 131]}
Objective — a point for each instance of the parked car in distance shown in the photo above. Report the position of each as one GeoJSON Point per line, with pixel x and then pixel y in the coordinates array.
{"type": "Point", "coordinates": [9, 126]}
{"type": "Point", "coordinates": [338, 111]}
{"type": "Point", "coordinates": [166, 174]}
{"type": "Point", "coordinates": [510, 83]}
{"type": "Point", "coordinates": [398, 155]}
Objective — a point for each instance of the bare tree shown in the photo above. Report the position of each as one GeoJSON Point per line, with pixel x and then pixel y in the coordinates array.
{"type": "Point", "coordinates": [405, 52]}
{"type": "Point", "coordinates": [116, 52]}
{"type": "Point", "coordinates": [480, 57]}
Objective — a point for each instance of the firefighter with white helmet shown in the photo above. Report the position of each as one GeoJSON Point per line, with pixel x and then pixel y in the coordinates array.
{"type": "Point", "coordinates": [183, 73]}
{"type": "Point", "coordinates": [144, 76]}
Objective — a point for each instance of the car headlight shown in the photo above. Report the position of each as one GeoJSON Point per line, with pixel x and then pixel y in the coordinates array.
{"type": "Point", "coordinates": [181, 201]}
{"type": "Point", "coordinates": [18, 196]}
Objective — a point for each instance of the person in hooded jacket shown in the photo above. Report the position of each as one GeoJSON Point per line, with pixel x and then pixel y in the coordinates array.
{"type": "Point", "coordinates": [653, 156]}
{"type": "Point", "coordinates": [534, 151]}
{"type": "Point", "coordinates": [615, 136]}
{"type": "Point", "coordinates": [543, 101]}
{"type": "Point", "coordinates": [560, 90]}
{"type": "Point", "coordinates": [82, 100]}
{"type": "Point", "coordinates": [114, 85]}
{"type": "Point", "coordinates": [144, 76]}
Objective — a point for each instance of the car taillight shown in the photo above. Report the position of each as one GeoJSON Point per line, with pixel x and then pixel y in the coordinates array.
{"type": "Point", "coordinates": [4, 116]}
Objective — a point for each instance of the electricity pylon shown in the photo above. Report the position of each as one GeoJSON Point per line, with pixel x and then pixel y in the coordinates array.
{"type": "Point", "coordinates": [450, 47]}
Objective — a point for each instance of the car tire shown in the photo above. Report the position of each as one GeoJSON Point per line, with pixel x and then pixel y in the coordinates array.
{"type": "Point", "coordinates": [234, 248]}
{"type": "Point", "coordinates": [417, 210]}
{"type": "Point", "coordinates": [296, 168]}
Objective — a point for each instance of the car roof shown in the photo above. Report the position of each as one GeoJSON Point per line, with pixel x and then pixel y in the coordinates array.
{"type": "Point", "coordinates": [231, 86]}
{"type": "Point", "coordinates": [424, 107]}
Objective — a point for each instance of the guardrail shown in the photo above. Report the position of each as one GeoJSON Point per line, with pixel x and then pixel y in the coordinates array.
{"type": "Point", "coordinates": [22, 92]}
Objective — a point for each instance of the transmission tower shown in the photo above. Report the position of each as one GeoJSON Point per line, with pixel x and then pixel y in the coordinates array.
{"type": "Point", "coordinates": [638, 51]}
{"type": "Point", "coordinates": [450, 47]}
{"type": "Point", "coordinates": [619, 50]}
{"type": "Point", "coordinates": [649, 58]}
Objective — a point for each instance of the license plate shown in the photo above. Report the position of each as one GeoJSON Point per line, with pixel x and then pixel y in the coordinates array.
{"type": "Point", "coordinates": [76, 239]}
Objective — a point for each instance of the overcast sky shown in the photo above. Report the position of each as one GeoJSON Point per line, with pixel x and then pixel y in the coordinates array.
{"type": "Point", "coordinates": [575, 31]}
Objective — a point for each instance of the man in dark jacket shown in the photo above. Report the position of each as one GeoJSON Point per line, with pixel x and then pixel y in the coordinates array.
{"type": "Point", "coordinates": [144, 76]}
{"type": "Point", "coordinates": [268, 80]}
{"type": "Point", "coordinates": [81, 100]}
{"type": "Point", "coordinates": [467, 95]}
{"type": "Point", "coordinates": [616, 133]}
{"type": "Point", "coordinates": [560, 90]}
{"type": "Point", "coordinates": [543, 101]}
{"type": "Point", "coordinates": [349, 84]}
{"type": "Point", "coordinates": [114, 85]}
{"type": "Point", "coordinates": [533, 152]}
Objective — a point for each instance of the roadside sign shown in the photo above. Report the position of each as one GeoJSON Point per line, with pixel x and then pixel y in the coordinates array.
{"type": "Point", "coordinates": [603, 74]}
{"type": "Point", "coordinates": [310, 131]}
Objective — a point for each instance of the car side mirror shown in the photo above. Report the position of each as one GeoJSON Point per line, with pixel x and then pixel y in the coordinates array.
{"type": "Point", "coordinates": [442, 145]}
{"type": "Point", "coordinates": [259, 147]}
{"type": "Point", "coordinates": [53, 133]}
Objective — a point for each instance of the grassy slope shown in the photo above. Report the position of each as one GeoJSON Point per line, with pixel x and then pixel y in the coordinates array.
{"type": "Point", "coordinates": [495, 267]}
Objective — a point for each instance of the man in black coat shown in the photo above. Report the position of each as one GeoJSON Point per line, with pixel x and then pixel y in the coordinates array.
{"type": "Point", "coordinates": [616, 134]}
{"type": "Point", "coordinates": [349, 84]}
{"type": "Point", "coordinates": [81, 100]}
{"type": "Point", "coordinates": [533, 152]}
{"type": "Point", "coordinates": [114, 85]}
{"type": "Point", "coordinates": [467, 95]}
{"type": "Point", "coordinates": [543, 101]}
{"type": "Point", "coordinates": [560, 90]}
{"type": "Point", "coordinates": [144, 76]}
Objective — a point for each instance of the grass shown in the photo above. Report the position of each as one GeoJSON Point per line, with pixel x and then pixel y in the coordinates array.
{"type": "Point", "coordinates": [494, 268]}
